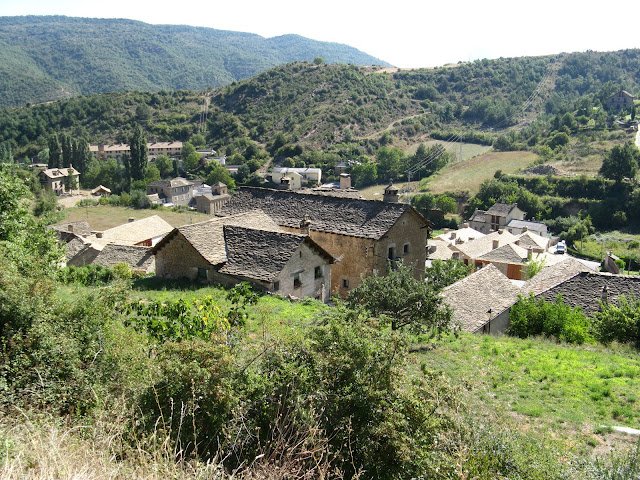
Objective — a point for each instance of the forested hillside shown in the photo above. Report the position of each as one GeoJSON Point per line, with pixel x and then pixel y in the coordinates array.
{"type": "Point", "coordinates": [345, 107]}
{"type": "Point", "coordinates": [51, 58]}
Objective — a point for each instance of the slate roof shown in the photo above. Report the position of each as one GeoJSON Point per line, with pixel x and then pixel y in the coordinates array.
{"type": "Point", "coordinates": [134, 232]}
{"type": "Point", "coordinates": [478, 216]}
{"type": "Point", "coordinates": [471, 297]}
{"type": "Point", "coordinates": [208, 237]}
{"type": "Point", "coordinates": [584, 290]}
{"type": "Point", "coordinates": [465, 234]}
{"type": "Point", "coordinates": [176, 182]}
{"type": "Point", "coordinates": [138, 258]}
{"type": "Point", "coordinates": [80, 227]}
{"type": "Point", "coordinates": [75, 246]}
{"type": "Point", "coordinates": [261, 254]}
{"type": "Point", "coordinates": [480, 246]}
{"type": "Point", "coordinates": [552, 275]}
{"type": "Point", "coordinates": [511, 254]}
{"type": "Point", "coordinates": [531, 239]}
{"type": "Point", "coordinates": [344, 216]}
{"type": "Point", "coordinates": [438, 249]}
{"type": "Point", "coordinates": [501, 209]}
{"type": "Point", "coordinates": [333, 192]}
{"type": "Point", "coordinates": [54, 173]}
{"type": "Point", "coordinates": [535, 226]}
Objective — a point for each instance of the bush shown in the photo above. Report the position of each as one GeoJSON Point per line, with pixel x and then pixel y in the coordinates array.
{"type": "Point", "coordinates": [91, 274]}
{"type": "Point", "coordinates": [619, 322]}
{"type": "Point", "coordinates": [531, 316]}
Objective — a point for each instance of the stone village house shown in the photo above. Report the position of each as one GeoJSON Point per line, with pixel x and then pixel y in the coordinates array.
{"type": "Point", "coordinates": [55, 179]}
{"type": "Point", "coordinates": [246, 247]}
{"type": "Point", "coordinates": [364, 236]}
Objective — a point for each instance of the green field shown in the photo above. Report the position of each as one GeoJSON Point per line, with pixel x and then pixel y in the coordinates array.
{"type": "Point", "coordinates": [102, 217]}
{"type": "Point", "coordinates": [467, 176]}
{"type": "Point", "coordinates": [543, 388]}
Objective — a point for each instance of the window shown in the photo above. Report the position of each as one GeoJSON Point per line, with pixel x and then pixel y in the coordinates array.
{"type": "Point", "coordinates": [276, 286]}
{"type": "Point", "coordinates": [392, 253]}
{"type": "Point", "coordinates": [296, 281]}
{"type": "Point", "coordinates": [317, 273]}
{"type": "Point", "coordinates": [202, 273]}
{"type": "Point", "coordinates": [405, 249]}
{"type": "Point", "coordinates": [345, 283]}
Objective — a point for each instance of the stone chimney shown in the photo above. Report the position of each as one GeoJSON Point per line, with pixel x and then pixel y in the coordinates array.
{"type": "Point", "coordinates": [98, 234]}
{"type": "Point", "coordinates": [496, 244]}
{"type": "Point", "coordinates": [530, 252]}
{"type": "Point", "coordinates": [446, 230]}
{"type": "Point", "coordinates": [605, 294]}
{"type": "Point", "coordinates": [465, 225]}
{"type": "Point", "coordinates": [453, 235]}
{"type": "Point", "coordinates": [131, 219]}
{"type": "Point", "coordinates": [345, 181]}
{"type": "Point", "coordinates": [305, 224]}
{"type": "Point", "coordinates": [391, 194]}
{"type": "Point", "coordinates": [525, 229]}
{"type": "Point", "coordinates": [70, 228]}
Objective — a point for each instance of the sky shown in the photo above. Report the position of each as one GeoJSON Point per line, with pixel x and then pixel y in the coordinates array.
{"type": "Point", "coordinates": [407, 34]}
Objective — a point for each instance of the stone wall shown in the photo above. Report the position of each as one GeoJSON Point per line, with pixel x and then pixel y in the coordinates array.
{"type": "Point", "coordinates": [303, 263]}
{"type": "Point", "coordinates": [408, 241]}
{"type": "Point", "coordinates": [178, 259]}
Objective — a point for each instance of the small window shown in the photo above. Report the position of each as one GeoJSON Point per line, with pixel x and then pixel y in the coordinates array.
{"type": "Point", "coordinates": [202, 273]}
{"type": "Point", "coordinates": [405, 249]}
{"type": "Point", "coordinates": [317, 273]}
{"type": "Point", "coordinates": [345, 283]}
{"type": "Point", "coordinates": [276, 286]}
{"type": "Point", "coordinates": [296, 281]}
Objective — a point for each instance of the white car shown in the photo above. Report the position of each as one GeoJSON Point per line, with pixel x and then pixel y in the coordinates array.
{"type": "Point", "coordinates": [561, 248]}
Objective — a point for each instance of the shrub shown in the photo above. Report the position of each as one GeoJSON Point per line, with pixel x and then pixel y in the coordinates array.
{"type": "Point", "coordinates": [619, 322]}
{"type": "Point", "coordinates": [531, 316]}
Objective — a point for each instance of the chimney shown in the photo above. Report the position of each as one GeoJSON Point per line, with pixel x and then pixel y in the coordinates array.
{"type": "Point", "coordinates": [465, 225]}
{"type": "Point", "coordinates": [98, 234]}
{"type": "Point", "coordinates": [530, 253]}
{"type": "Point", "coordinates": [70, 228]}
{"type": "Point", "coordinates": [496, 244]}
{"type": "Point", "coordinates": [605, 294]}
{"type": "Point", "coordinates": [391, 194]}
{"type": "Point", "coordinates": [525, 229]}
{"type": "Point", "coordinates": [345, 181]}
{"type": "Point", "coordinates": [304, 225]}
{"type": "Point", "coordinates": [453, 235]}
{"type": "Point", "coordinates": [446, 230]}
{"type": "Point", "coordinates": [131, 219]}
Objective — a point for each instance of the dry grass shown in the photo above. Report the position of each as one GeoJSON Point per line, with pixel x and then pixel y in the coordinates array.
{"type": "Point", "coordinates": [467, 176]}
{"type": "Point", "coordinates": [102, 217]}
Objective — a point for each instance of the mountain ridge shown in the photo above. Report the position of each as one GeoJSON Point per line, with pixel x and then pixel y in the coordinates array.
{"type": "Point", "coordinates": [47, 58]}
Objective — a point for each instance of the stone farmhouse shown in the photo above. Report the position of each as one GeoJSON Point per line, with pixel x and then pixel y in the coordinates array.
{"type": "Point", "coordinates": [178, 191]}
{"type": "Point", "coordinates": [505, 216]}
{"type": "Point", "coordinates": [621, 100]}
{"type": "Point", "coordinates": [209, 202]}
{"type": "Point", "coordinates": [145, 232]}
{"type": "Point", "coordinates": [248, 246]}
{"type": "Point", "coordinates": [55, 179]}
{"type": "Point", "coordinates": [103, 152]}
{"type": "Point", "coordinates": [364, 236]}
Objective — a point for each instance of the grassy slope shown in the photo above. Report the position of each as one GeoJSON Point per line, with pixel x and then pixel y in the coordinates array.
{"type": "Point", "coordinates": [544, 388]}
{"type": "Point", "coordinates": [469, 174]}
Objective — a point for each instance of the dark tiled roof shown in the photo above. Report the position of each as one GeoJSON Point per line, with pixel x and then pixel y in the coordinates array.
{"type": "Point", "coordinates": [176, 182]}
{"type": "Point", "coordinates": [584, 290]}
{"type": "Point", "coordinates": [259, 254]}
{"type": "Point", "coordinates": [138, 257]}
{"type": "Point", "coordinates": [345, 216]}
{"type": "Point", "coordinates": [537, 226]}
{"type": "Point", "coordinates": [501, 209]}
{"type": "Point", "coordinates": [511, 254]}
{"type": "Point", "coordinates": [80, 227]}
{"type": "Point", "coordinates": [478, 216]}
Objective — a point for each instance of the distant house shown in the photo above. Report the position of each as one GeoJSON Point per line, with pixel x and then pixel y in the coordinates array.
{"type": "Point", "coordinates": [496, 218]}
{"type": "Point", "coordinates": [145, 232]}
{"type": "Point", "coordinates": [101, 191]}
{"type": "Point", "coordinates": [178, 191]}
{"type": "Point", "coordinates": [621, 100]}
{"type": "Point", "coordinates": [246, 247]}
{"type": "Point", "coordinates": [471, 251]}
{"type": "Point", "coordinates": [56, 179]}
{"type": "Point", "coordinates": [103, 152]}
{"type": "Point", "coordinates": [365, 236]}
{"type": "Point", "coordinates": [298, 177]}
